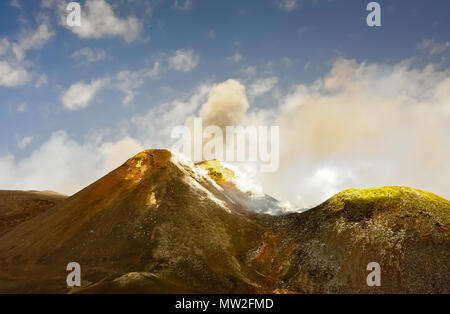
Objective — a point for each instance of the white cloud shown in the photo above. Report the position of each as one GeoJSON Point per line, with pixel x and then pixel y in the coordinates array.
{"type": "Point", "coordinates": [236, 58]}
{"type": "Point", "coordinates": [15, 4]}
{"type": "Point", "coordinates": [13, 66]}
{"type": "Point", "coordinates": [89, 55]}
{"type": "Point", "coordinates": [80, 94]}
{"type": "Point", "coordinates": [43, 80]}
{"type": "Point", "coordinates": [288, 5]}
{"type": "Point", "coordinates": [24, 142]}
{"type": "Point", "coordinates": [262, 86]}
{"type": "Point", "coordinates": [288, 61]}
{"type": "Point", "coordinates": [5, 46]}
{"type": "Point", "coordinates": [128, 82]}
{"type": "Point", "coordinates": [184, 60]}
{"type": "Point", "coordinates": [183, 5]}
{"type": "Point", "coordinates": [432, 47]}
{"type": "Point", "coordinates": [249, 71]}
{"type": "Point", "coordinates": [13, 75]}
{"type": "Point", "coordinates": [156, 125]}
{"type": "Point", "coordinates": [32, 40]}
{"type": "Point", "coordinates": [64, 165]}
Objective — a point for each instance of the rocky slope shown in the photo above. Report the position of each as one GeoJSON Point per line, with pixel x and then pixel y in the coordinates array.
{"type": "Point", "coordinates": [158, 225]}
{"type": "Point", "coordinates": [406, 231]}
{"type": "Point", "coordinates": [17, 207]}
{"type": "Point", "coordinates": [151, 225]}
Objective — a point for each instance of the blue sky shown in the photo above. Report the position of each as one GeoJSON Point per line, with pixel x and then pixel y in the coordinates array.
{"type": "Point", "coordinates": [172, 49]}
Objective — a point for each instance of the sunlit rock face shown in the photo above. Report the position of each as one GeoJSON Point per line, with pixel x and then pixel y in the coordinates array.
{"type": "Point", "coordinates": [160, 225]}
{"type": "Point", "coordinates": [216, 171]}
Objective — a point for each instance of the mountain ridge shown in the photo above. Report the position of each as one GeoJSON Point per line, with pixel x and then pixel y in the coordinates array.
{"type": "Point", "coordinates": [158, 225]}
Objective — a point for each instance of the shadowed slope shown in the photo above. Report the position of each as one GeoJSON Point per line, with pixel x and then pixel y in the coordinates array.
{"type": "Point", "coordinates": [19, 206]}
